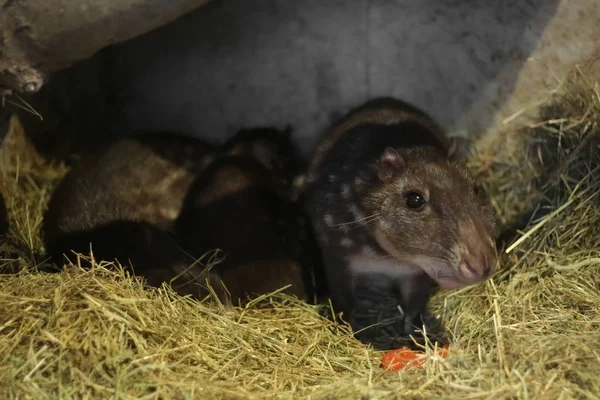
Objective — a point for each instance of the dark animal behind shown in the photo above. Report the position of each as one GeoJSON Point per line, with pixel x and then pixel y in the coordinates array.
{"type": "Point", "coordinates": [122, 201]}
{"type": "Point", "coordinates": [238, 207]}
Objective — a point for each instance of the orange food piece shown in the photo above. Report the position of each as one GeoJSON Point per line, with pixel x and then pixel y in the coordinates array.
{"type": "Point", "coordinates": [398, 359]}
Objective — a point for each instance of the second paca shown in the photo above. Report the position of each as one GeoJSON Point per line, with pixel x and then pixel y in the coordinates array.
{"type": "Point", "coordinates": [120, 202]}
{"type": "Point", "coordinates": [241, 205]}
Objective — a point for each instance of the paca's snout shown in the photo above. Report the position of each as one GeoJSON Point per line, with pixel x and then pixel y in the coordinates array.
{"type": "Point", "coordinates": [479, 259]}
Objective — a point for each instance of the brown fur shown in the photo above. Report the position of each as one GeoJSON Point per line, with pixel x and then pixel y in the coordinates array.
{"type": "Point", "coordinates": [271, 147]}
{"type": "Point", "coordinates": [143, 179]}
{"type": "Point", "coordinates": [121, 201]}
{"type": "Point", "coordinates": [358, 190]}
{"type": "Point", "coordinates": [125, 200]}
{"type": "Point", "coordinates": [382, 111]}
{"type": "Point", "coordinates": [239, 207]}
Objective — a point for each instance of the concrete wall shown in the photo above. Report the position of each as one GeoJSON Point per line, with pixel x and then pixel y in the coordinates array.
{"type": "Point", "coordinates": [229, 64]}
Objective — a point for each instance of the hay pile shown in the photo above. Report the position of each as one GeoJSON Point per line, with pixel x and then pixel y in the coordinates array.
{"type": "Point", "coordinates": [531, 332]}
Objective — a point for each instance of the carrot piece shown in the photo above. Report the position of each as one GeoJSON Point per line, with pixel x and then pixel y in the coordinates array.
{"type": "Point", "coordinates": [398, 359]}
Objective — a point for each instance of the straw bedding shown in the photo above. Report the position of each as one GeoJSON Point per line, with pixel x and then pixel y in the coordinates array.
{"type": "Point", "coordinates": [530, 332]}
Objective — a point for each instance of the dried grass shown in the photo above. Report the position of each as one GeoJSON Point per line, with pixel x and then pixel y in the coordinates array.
{"type": "Point", "coordinates": [531, 332]}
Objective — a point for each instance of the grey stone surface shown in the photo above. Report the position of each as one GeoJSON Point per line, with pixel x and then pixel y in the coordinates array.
{"type": "Point", "coordinates": [40, 37]}
{"type": "Point", "coordinates": [233, 63]}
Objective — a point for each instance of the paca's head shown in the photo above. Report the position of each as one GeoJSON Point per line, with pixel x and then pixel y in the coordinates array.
{"type": "Point", "coordinates": [228, 177]}
{"type": "Point", "coordinates": [433, 215]}
{"type": "Point", "coordinates": [272, 147]}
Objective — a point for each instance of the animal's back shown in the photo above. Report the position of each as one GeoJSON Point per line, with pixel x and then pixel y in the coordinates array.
{"type": "Point", "coordinates": [123, 199]}
{"type": "Point", "coordinates": [139, 180]}
{"type": "Point", "coordinates": [383, 111]}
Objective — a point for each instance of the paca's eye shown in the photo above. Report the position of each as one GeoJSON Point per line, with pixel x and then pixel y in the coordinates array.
{"type": "Point", "coordinates": [415, 201]}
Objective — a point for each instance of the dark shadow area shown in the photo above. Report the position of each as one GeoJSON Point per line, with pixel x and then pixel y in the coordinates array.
{"type": "Point", "coordinates": [8, 259]}
{"type": "Point", "coordinates": [5, 113]}
{"type": "Point", "coordinates": [138, 243]}
{"type": "Point", "coordinates": [262, 62]}
{"type": "Point", "coordinates": [3, 218]}
{"type": "Point", "coordinates": [141, 248]}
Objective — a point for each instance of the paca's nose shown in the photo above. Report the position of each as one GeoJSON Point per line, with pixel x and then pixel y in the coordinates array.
{"type": "Point", "coordinates": [472, 271]}
{"type": "Point", "coordinates": [479, 265]}
{"type": "Point", "coordinates": [468, 272]}
{"type": "Point", "coordinates": [478, 256]}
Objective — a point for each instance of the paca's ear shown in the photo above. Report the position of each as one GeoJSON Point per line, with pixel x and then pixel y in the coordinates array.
{"type": "Point", "coordinates": [265, 152]}
{"type": "Point", "coordinates": [452, 149]}
{"type": "Point", "coordinates": [390, 165]}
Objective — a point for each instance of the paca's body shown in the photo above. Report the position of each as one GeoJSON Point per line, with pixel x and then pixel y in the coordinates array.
{"type": "Point", "coordinates": [397, 217]}
{"type": "Point", "coordinates": [241, 206]}
{"type": "Point", "coordinates": [122, 202]}
{"type": "Point", "coordinates": [141, 179]}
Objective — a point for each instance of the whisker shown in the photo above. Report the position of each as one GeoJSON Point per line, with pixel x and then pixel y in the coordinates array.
{"type": "Point", "coordinates": [357, 225]}
{"type": "Point", "coordinates": [368, 219]}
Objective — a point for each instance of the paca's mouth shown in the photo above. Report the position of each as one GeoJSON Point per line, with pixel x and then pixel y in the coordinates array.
{"type": "Point", "coordinates": [466, 273]}
{"type": "Point", "coordinates": [451, 276]}
{"type": "Point", "coordinates": [451, 283]}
